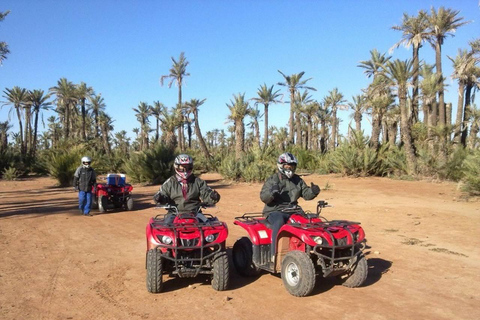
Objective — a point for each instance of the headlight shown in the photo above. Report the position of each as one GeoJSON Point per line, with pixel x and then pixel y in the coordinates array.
{"type": "Point", "coordinates": [166, 240]}
{"type": "Point", "coordinates": [317, 239]}
{"type": "Point", "coordinates": [211, 237]}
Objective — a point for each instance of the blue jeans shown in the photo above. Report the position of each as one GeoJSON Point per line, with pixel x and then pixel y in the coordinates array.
{"type": "Point", "coordinates": [84, 201]}
{"type": "Point", "coordinates": [277, 219]}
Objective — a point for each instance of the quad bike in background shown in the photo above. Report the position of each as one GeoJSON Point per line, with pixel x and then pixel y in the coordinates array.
{"type": "Point", "coordinates": [113, 194]}
{"type": "Point", "coordinates": [195, 243]}
{"type": "Point", "coordinates": [308, 245]}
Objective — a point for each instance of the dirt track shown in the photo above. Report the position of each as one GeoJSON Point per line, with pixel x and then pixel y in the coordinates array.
{"type": "Point", "coordinates": [424, 257]}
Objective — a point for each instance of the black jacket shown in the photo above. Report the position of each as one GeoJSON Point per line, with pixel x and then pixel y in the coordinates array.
{"type": "Point", "coordinates": [84, 178]}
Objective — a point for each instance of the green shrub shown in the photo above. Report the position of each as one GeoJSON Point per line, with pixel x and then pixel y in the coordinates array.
{"type": "Point", "coordinates": [10, 173]}
{"type": "Point", "coordinates": [62, 163]}
{"type": "Point", "coordinates": [151, 166]}
{"type": "Point", "coordinates": [471, 173]}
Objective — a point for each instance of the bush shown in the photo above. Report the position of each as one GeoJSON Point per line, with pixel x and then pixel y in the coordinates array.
{"type": "Point", "coordinates": [471, 172]}
{"type": "Point", "coordinates": [10, 173]}
{"type": "Point", "coordinates": [61, 163]}
{"type": "Point", "coordinates": [151, 166]}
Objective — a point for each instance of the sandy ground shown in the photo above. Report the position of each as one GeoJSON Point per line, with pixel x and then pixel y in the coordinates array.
{"type": "Point", "coordinates": [423, 257]}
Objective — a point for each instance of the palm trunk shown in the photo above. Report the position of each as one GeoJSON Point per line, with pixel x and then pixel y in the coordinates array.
{"type": "Point", "coordinates": [84, 115]}
{"type": "Point", "coordinates": [376, 126]}
{"type": "Point", "coordinates": [239, 139]}
{"type": "Point", "coordinates": [203, 146]}
{"type": "Point", "coordinates": [459, 117]}
{"type": "Point", "coordinates": [265, 132]}
{"type": "Point", "coordinates": [466, 113]}
{"type": "Point", "coordinates": [291, 119]}
{"type": "Point", "coordinates": [334, 128]}
{"type": "Point", "coordinates": [416, 66]}
{"type": "Point", "coordinates": [406, 133]}
{"type": "Point", "coordinates": [35, 128]}
{"type": "Point", "coordinates": [323, 147]}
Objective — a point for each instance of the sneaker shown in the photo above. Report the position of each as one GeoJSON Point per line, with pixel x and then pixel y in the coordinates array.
{"type": "Point", "coordinates": [88, 215]}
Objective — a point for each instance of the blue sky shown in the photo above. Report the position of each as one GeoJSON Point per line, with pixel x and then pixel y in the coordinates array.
{"type": "Point", "coordinates": [121, 48]}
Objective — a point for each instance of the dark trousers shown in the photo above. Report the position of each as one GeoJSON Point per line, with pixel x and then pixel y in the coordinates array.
{"type": "Point", "coordinates": [277, 219]}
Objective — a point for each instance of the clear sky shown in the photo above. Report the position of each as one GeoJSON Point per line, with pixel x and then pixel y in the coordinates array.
{"type": "Point", "coordinates": [121, 48]}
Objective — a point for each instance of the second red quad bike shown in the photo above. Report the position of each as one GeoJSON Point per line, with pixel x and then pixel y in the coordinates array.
{"type": "Point", "coordinates": [113, 194]}
{"type": "Point", "coordinates": [193, 244]}
{"type": "Point", "coordinates": [307, 245]}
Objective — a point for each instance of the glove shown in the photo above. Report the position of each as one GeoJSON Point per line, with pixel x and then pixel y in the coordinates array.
{"type": "Point", "coordinates": [275, 189]}
{"type": "Point", "coordinates": [215, 196]}
{"type": "Point", "coordinates": [315, 188]}
{"type": "Point", "coordinates": [160, 198]}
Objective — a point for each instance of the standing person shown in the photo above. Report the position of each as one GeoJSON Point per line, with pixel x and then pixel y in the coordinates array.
{"type": "Point", "coordinates": [282, 190]}
{"type": "Point", "coordinates": [185, 190]}
{"type": "Point", "coordinates": [83, 181]}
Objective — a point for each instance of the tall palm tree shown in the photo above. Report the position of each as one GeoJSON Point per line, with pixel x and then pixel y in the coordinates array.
{"type": "Point", "coordinates": [97, 105]}
{"type": "Point", "coordinates": [4, 127]}
{"type": "Point", "coordinates": [442, 23]}
{"type": "Point", "coordinates": [301, 100]}
{"type": "Point", "coordinates": [293, 83]}
{"type": "Point", "coordinates": [464, 71]}
{"type": "Point", "coordinates": [414, 33]}
{"type": "Point", "coordinates": [429, 87]}
{"type": "Point", "coordinates": [310, 110]}
{"type": "Point", "coordinates": [335, 101]}
{"type": "Point", "coordinates": [266, 96]}
{"type": "Point", "coordinates": [17, 97]}
{"type": "Point", "coordinates": [177, 74]}
{"type": "Point", "coordinates": [323, 115]}
{"type": "Point", "coordinates": [83, 93]}
{"type": "Point", "coordinates": [358, 107]}
{"type": "Point", "coordinates": [399, 73]}
{"type": "Point", "coordinates": [143, 112]}
{"type": "Point", "coordinates": [157, 110]}
{"type": "Point", "coordinates": [54, 129]}
{"type": "Point", "coordinates": [105, 122]}
{"type": "Point", "coordinates": [239, 109]}
{"type": "Point", "coordinates": [255, 115]}
{"type": "Point", "coordinates": [38, 101]}
{"type": "Point", "coordinates": [66, 100]}
{"type": "Point", "coordinates": [193, 105]}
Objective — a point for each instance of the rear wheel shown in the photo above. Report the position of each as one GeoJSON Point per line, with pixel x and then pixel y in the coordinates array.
{"type": "Point", "coordinates": [242, 253]}
{"type": "Point", "coordinates": [154, 271]}
{"type": "Point", "coordinates": [298, 273]}
{"type": "Point", "coordinates": [130, 204]}
{"type": "Point", "coordinates": [357, 276]}
{"type": "Point", "coordinates": [221, 272]}
{"type": "Point", "coordinates": [102, 203]}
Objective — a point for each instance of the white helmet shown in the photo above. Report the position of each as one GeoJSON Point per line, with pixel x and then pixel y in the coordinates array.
{"type": "Point", "coordinates": [287, 158]}
{"type": "Point", "coordinates": [86, 161]}
{"type": "Point", "coordinates": [183, 166]}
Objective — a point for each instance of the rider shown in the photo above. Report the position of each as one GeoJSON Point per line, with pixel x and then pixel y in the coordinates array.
{"type": "Point", "coordinates": [83, 181]}
{"type": "Point", "coordinates": [185, 190]}
{"type": "Point", "coordinates": [282, 190]}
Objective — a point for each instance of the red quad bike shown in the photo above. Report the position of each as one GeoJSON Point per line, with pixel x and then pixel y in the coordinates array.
{"type": "Point", "coordinates": [307, 245]}
{"type": "Point", "coordinates": [186, 248]}
{"type": "Point", "coordinates": [113, 194]}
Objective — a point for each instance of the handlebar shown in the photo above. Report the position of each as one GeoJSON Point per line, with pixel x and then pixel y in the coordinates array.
{"type": "Point", "coordinates": [173, 207]}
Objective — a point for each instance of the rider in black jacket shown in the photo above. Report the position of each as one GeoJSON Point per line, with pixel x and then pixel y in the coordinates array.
{"type": "Point", "coordinates": [83, 181]}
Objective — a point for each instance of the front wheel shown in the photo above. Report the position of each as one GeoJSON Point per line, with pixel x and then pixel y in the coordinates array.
{"type": "Point", "coordinates": [242, 254]}
{"type": "Point", "coordinates": [130, 204]}
{"type": "Point", "coordinates": [154, 271]}
{"type": "Point", "coordinates": [102, 204]}
{"type": "Point", "coordinates": [358, 274]}
{"type": "Point", "coordinates": [221, 272]}
{"type": "Point", "coordinates": [298, 273]}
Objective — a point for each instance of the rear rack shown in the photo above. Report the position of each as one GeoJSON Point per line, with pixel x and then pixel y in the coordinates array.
{"type": "Point", "coordinates": [250, 218]}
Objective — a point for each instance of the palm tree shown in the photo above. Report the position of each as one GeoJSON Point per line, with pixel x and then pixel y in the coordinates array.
{"type": "Point", "coordinates": [399, 73]}
{"type": "Point", "coordinates": [143, 112]}
{"type": "Point", "coordinates": [464, 72]}
{"type": "Point", "coordinates": [17, 97]}
{"type": "Point", "coordinates": [442, 23]}
{"type": "Point", "coordinates": [193, 106]}
{"type": "Point", "coordinates": [323, 115]}
{"type": "Point", "coordinates": [301, 100]}
{"type": "Point", "coordinates": [38, 100]}
{"type": "Point", "coordinates": [266, 96]}
{"type": "Point", "coordinates": [358, 107]}
{"type": "Point", "coordinates": [474, 126]}
{"type": "Point", "coordinates": [310, 110]}
{"type": "Point", "coordinates": [54, 129]}
{"type": "Point", "coordinates": [66, 100]}
{"type": "Point", "coordinates": [97, 105]}
{"type": "Point", "coordinates": [255, 115]}
{"type": "Point", "coordinates": [414, 33]}
{"type": "Point", "coordinates": [293, 83]}
{"type": "Point", "coordinates": [239, 109]}
{"type": "Point", "coordinates": [176, 75]}
{"type": "Point", "coordinates": [105, 123]}
{"type": "Point", "coordinates": [335, 101]}
{"type": "Point", "coordinates": [4, 127]}
{"type": "Point", "coordinates": [280, 137]}
{"type": "Point", "coordinates": [157, 110]}
{"type": "Point", "coordinates": [122, 141]}
{"type": "Point", "coordinates": [168, 125]}
{"type": "Point", "coordinates": [3, 45]}
{"type": "Point", "coordinates": [429, 87]}
{"type": "Point", "coordinates": [83, 93]}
